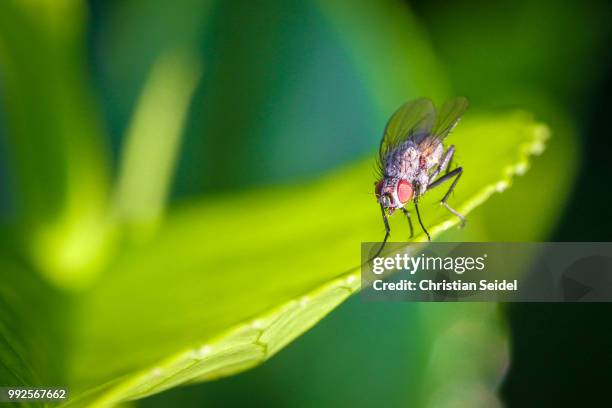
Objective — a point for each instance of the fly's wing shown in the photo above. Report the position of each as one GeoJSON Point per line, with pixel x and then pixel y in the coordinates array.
{"type": "Point", "coordinates": [414, 118]}
{"type": "Point", "coordinates": [448, 116]}
{"type": "Point", "coordinates": [446, 120]}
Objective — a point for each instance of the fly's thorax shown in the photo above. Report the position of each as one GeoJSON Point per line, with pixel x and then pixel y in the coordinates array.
{"type": "Point", "coordinates": [403, 162]}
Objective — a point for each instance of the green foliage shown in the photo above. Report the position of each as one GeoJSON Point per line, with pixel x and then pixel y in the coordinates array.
{"type": "Point", "coordinates": [55, 138]}
{"type": "Point", "coordinates": [106, 290]}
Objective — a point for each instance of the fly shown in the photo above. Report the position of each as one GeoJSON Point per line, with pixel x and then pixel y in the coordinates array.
{"type": "Point", "coordinates": [412, 157]}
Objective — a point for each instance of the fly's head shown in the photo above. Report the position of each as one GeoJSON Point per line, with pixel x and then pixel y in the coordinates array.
{"type": "Point", "coordinates": [393, 193]}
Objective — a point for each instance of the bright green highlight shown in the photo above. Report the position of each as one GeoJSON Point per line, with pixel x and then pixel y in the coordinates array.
{"type": "Point", "coordinates": [153, 139]}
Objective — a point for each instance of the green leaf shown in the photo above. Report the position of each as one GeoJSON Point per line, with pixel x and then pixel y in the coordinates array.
{"type": "Point", "coordinates": [153, 140]}
{"type": "Point", "coordinates": [423, 348]}
{"type": "Point", "coordinates": [55, 138]}
{"type": "Point", "coordinates": [231, 280]}
{"type": "Point", "coordinates": [32, 327]}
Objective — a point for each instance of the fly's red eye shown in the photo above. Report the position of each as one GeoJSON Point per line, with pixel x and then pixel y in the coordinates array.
{"type": "Point", "coordinates": [378, 187]}
{"type": "Point", "coordinates": [404, 191]}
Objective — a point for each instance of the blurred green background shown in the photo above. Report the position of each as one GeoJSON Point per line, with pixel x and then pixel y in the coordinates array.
{"type": "Point", "coordinates": [278, 92]}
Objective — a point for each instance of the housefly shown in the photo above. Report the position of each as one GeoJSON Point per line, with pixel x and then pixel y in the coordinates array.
{"type": "Point", "coordinates": [412, 158]}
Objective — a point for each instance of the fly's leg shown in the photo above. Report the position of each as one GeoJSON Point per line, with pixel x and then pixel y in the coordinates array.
{"type": "Point", "coordinates": [448, 158]}
{"type": "Point", "coordinates": [407, 214]}
{"type": "Point", "coordinates": [387, 232]}
{"type": "Point", "coordinates": [445, 163]}
{"type": "Point", "coordinates": [456, 174]}
{"type": "Point", "coordinates": [416, 206]}
{"type": "Point", "coordinates": [450, 164]}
